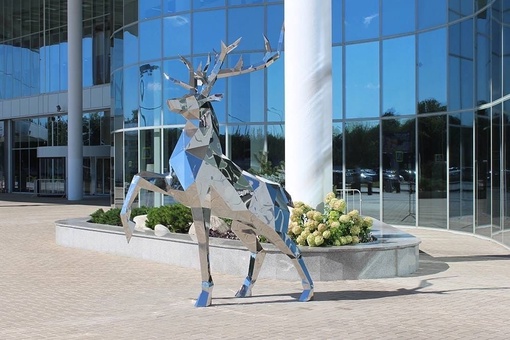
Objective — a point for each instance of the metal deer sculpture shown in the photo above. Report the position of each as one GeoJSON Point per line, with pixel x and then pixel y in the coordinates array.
{"type": "Point", "coordinates": [208, 182]}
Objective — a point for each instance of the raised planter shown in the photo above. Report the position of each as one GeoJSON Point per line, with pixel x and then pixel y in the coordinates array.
{"type": "Point", "coordinates": [395, 253]}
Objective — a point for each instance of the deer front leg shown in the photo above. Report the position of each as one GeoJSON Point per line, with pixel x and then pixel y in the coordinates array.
{"type": "Point", "coordinates": [250, 241]}
{"type": "Point", "coordinates": [142, 180]}
{"type": "Point", "coordinates": [201, 218]}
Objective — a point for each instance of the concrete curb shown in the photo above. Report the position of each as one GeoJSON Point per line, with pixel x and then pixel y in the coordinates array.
{"type": "Point", "coordinates": [396, 253]}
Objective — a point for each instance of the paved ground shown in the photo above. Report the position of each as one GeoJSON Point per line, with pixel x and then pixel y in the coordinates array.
{"type": "Point", "coordinates": [462, 290]}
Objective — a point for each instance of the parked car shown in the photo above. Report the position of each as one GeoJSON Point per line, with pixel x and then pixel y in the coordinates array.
{"type": "Point", "coordinates": [391, 181]}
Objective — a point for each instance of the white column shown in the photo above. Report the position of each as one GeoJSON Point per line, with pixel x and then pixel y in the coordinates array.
{"type": "Point", "coordinates": [74, 132]}
{"type": "Point", "coordinates": [308, 100]}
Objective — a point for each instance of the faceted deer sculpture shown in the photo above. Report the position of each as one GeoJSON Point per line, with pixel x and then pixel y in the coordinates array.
{"type": "Point", "coordinates": [208, 182]}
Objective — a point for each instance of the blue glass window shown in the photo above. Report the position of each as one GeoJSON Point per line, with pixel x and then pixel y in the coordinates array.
{"type": "Point", "coordinates": [173, 6]}
{"type": "Point", "coordinates": [276, 91]}
{"type": "Point", "coordinates": [208, 31]}
{"type": "Point", "coordinates": [399, 76]}
{"type": "Point", "coordinates": [432, 66]}
{"type": "Point", "coordinates": [173, 69]}
{"type": "Point", "coordinates": [130, 95]}
{"type": "Point", "coordinates": [361, 19]}
{"type": "Point", "coordinates": [149, 8]}
{"type": "Point", "coordinates": [87, 61]}
{"type": "Point", "coordinates": [337, 82]}
{"type": "Point", "coordinates": [431, 13]}
{"type": "Point", "coordinates": [246, 93]}
{"type": "Point", "coordinates": [199, 4]}
{"type": "Point", "coordinates": [336, 7]}
{"type": "Point", "coordinates": [150, 40]}
{"type": "Point", "coordinates": [177, 35]}
{"type": "Point", "coordinates": [130, 50]}
{"type": "Point", "coordinates": [247, 23]}
{"type": "Point", "coordinates": [397, 16]}
{"type": "Point", "coordinates": [274, 24]}
{"type": "Point", "coordinates": [362, 80]}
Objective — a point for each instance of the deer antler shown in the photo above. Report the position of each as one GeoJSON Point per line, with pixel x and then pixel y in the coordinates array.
{"type": "Point", "coordinates": [217, 73]}
{"type": "Point", "coordinates": [207, 81]}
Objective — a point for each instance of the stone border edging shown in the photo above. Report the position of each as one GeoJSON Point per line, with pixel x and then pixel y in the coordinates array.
{"type": "Point", "coordinates": [396, 253]}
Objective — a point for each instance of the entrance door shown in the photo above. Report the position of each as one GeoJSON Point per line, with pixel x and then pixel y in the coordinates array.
{"type": "Point", "coordinates": [103, 176]}
{"type": "Point", "coordinates": [51, 176]}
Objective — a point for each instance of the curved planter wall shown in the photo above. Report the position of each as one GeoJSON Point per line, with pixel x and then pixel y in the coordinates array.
{"type": "Point", "coordinates": [396, 253]}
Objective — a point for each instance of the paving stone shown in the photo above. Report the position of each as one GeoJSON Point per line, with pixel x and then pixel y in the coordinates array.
{"type": "Point", "coordinates": [461, 291]}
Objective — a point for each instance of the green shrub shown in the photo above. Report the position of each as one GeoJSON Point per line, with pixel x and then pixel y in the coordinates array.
{"type": "Point", "coordinates": [175, 217]}
{"type": "Point", "coordinates": [110, 217]}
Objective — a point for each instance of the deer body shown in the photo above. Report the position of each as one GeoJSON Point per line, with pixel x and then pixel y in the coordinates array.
{"type": "Point", "coordinates": [208, 182]}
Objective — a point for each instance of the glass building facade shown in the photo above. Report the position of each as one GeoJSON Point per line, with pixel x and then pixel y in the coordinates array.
{"type": "Point", "coordinates": [421, 96]}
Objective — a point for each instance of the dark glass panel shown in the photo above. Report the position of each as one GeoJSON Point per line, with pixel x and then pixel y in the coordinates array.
{"type": "Point", "coordinates": [481, 171]}
{"type": "Point", "coordinates": [130, 155]}
{"type": "Point", "coordinates": [398, 184]}
{"type": "Point", "coordinates": [130, 96]}
{"type": "Point", "coordinates": [506, 172]}
{"type": "Point", "coordinates": [483, 69]}
{"type": "Point", "coordinates": [494, 177]}
{"type": "Point", "coordinates": [399, 76]}
{"type": "Point", "coordinates": [397, 16]}
{"type": "Point", "coordinates": [130, 11]}
{"type": "Point", "coordinates": [362, 80]}
{"type": "Point", "coordinates": [506, 60]}
{"type": "Point", "coordinates": [459, 8]}
{"type": "Point", "coordinates": [496, 56]}
{"type": "Point", "coordinates": [246, 143]}
{"type": "Point", "coordinates": [432, 172]}
{"type": "Point", "coordinates": [460, 171]}
{"type": "Point", "coordinates": [361, 165]}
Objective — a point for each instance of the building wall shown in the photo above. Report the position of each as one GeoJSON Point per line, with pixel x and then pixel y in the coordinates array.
{"type": "Point", "coordinates": [420, 100]}
{"type": "Point", "coordinates": [34, 98]}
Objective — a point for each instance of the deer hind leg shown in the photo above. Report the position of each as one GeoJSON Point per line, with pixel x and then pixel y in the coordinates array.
{"type": "Point", "coordinates": [287, 246]}
{"type": "Point", "coordinates": [143, 180]}
{"type": "Point", "coordinates": [201, 218]}
{"type": "Point", "coordinates": [250, 241]}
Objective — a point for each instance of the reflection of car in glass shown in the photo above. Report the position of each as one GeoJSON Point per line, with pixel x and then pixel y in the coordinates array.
{"type": "Point", "coordinates": [353, 179]}
{"type": "Point", "coordinates": [368, 175]}
{"type": "Point", "coordinates": [407, 175]}
{"type": "Point", "coordinates": [391, 181]}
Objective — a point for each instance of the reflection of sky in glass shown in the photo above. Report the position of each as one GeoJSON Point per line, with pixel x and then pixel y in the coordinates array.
{"type": "Point", "coordinates": [432, 66]}
{"type": "Point", "coordinates": [275, 90]}
{"type": "Point", "coordinates": [362, 80]}
{"type": "Point", "coordinates": [150, 40]}
{"type": "Point", "coordinates": [431, 13]}
{"type": "Point", "coordinates": [397, 16]}
{"type": "Point", "coordinates": [361, 19]}
{"type": "Point", "coordinates": [247, 23]}
{"type": "Point", "coordinates": [246, 92]}
{"type": "Point", "coordinates": [177, 35]}
{"type": "Point", "coordinates": [337, 82]}
{"type": "Point", "coordinates": [399, 75]}
{"type": "Point", "coordinates": [208, 30]}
